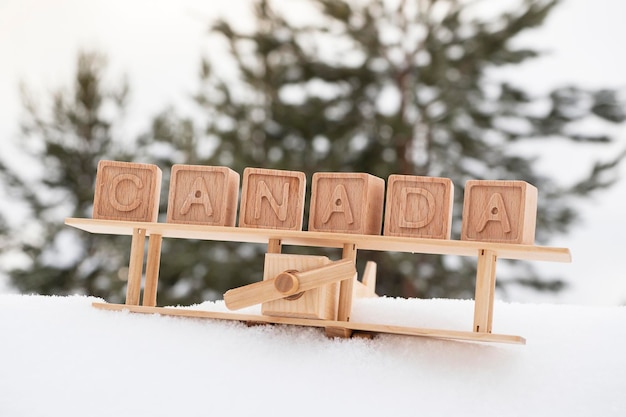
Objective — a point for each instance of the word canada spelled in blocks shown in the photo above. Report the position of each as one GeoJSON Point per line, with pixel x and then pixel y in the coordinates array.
{"type": "Point", "coordinates": [346, 203]}
{"type": "Point", "coordinates": [499, 211]}
{"type": "Point", "coordinates": [203, 195]}
{"type": "Point", "coordinates": [272, 199]}
{"type": "Point", "coordinates": [416, 206]}
{"type": "Point", "coordinates": [419, 207]}
{"type": "Point", "coordinates": [127, 191]}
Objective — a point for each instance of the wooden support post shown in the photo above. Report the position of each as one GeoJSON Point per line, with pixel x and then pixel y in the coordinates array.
{"type": "Point", "coordinates": [485, 289]}
{"type": "Point", "coordinates": [152, 270]}
{"type": "Point", "coordinates": [274, 246]}
{"type": "Point", "coordinates": [346, 287]}
{"type": "Point", "coordinates": [135, 267]}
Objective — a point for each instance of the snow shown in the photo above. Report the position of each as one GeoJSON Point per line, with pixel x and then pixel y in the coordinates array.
{"type": "Point", "coordinates": [60, 356]}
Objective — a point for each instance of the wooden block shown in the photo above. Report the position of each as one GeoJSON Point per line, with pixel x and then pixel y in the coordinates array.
{"type": "Point", "coordinates": [318, 303]}
{"type": "Point", "coordinates": [346, 203]}
{"type": "Point", "coordinates": [203, 195]}
{"type": "Point", "coordinates": [419, 207]}
{"type": "Point", "coordinates": [338, 332]}
{"type": "Point", "coordinates": [272, 199]}
{"type": "Point", "coordinates": [499, 211]}
{"type": "Point", "coordinates": [127, 191]}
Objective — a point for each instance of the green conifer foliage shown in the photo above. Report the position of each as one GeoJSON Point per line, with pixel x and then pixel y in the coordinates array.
{"type": "Point", "coordinates": [400, 88]}
{"type": "Point", "coordinates": [377, 86]}
{"type": "Point", "coordinates": [62, 142]}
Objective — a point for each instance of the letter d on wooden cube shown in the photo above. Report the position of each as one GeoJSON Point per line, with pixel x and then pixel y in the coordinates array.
{"type": "Point", "coordinates": [203, 195]}
{"type": "Point", "coordinates": [343, 202]}
{"type": "Point", "coordinates": [272, 199]}
{"type": "Point", "coordinates": [419, 207]}
{"type": "Point", "coordinates": [127, 191]}
{"type": "Point", "coordinates": [499, 211]}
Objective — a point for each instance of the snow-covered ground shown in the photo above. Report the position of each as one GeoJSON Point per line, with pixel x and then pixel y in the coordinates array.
{"type": "Point", "coordinates": [61, 357]}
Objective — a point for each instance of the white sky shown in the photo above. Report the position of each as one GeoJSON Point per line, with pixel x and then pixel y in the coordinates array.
{"type": "Point", "coordinates": [158, 44]}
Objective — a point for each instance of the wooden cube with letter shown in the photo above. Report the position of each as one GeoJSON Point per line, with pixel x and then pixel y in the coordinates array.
{"type": "Point", "coordinates": [127, 191]}
{"type": "Point", "coordinates": [419, 207]}
{"type": "Point", "coordinates": [346, 203]}
{"type": "Point", "coordinates": [272, 199]}
{"type": "Point", "coordinates": [499, 211]}
{"type": "Point", "coordinates": [203, 195]}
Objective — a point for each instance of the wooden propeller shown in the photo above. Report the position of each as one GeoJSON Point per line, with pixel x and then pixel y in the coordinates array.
{"type": "Point", "coordinates": [289, 283]}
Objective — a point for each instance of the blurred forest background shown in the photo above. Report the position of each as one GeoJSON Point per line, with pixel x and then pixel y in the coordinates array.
{"type": "Point", "coordinates": [383, 87]}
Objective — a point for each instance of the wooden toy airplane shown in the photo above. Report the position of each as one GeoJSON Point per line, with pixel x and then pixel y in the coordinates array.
{"type": "Point", "coordinates": [346, 212]}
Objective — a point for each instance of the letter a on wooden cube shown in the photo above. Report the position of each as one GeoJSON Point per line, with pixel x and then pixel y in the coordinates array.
{"type": "Point", "coordinates": [127, 191]}
{"type": "Point", "coordinates": [203, 195]}
{"type": "Point", "coordinates": [419, 207]}
{"type": "Point", "coordinates": [344, 202]}
{"type": "Point", "coordinates": [272, 199]}
{"type": "Point", "coordinates": [499, 211]}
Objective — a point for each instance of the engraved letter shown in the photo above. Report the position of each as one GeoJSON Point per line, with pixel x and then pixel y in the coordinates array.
{"type": "Point", "coordinates": [113, 192]}
{"type": "Point", "coordinates": [430, 214]}
{"type": "Point", "coordinates": [338, 203]}
{"type": "Point", "coordinates": [496, 212]}
{"type": "Point", "coordinates": [199, 194]}
{"type": "Point", "coordinates": [262, 190]}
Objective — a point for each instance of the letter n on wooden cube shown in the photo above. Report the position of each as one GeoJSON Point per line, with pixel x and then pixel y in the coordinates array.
{"type": "Point", "coordinates": [344, 202]}
{"type": "Point", "coordinates": [499, 211]}
{"type": "Point", "coordinates": [127, 191]}
{"type": "Point", "coordinates": [272, 199]}
{"type": "Point", "coordinates": [203, 195]}
{"type": "Point", "coordinates": [419, 207]}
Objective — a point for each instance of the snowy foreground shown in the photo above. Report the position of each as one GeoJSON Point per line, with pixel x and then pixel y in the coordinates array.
{"type": "Point", "coordinates": [61, 357]}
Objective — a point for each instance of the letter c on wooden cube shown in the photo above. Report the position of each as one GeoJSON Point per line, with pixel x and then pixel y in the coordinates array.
{"type": "Point", "coordinates": [499, 211]}
{"type": "Point", "coordinates": [343, 202]}
{"type": "Point", "coordinates": [419, 207]}
{"type": "Point", "coordinates": [127, 191]}
{"type": "Point", "coordinates": [272, 199]}
{"type": "Point", "coordinates": [203, 195]}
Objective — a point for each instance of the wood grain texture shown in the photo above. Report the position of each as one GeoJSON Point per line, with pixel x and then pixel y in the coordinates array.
{"type": "Point", "coordinates": [153, 263]}
{"type": "Point", "coordinates": [203, 195]}
{"type": "Point", "coordinates": [135, 266]}
{"type": "Point", "coordinates": [324, 239]}
{"type": "Point", "coordinates": [346, 286]}
{"type": "Point", "coordinates": [127, 191]}
{"type": "Point", "coordinates": [355, 326]}
{"type": "Point", "coordinates": [419, 207]}
{"type": "Point", "coordinates": [366, 288]}
{"type": "Point", "coordinates": [318, 303]}
{"type": "Point", "coordinates": [499, 211]}
{"type": "Point", "coordinates": [272, 199]}
{"type": "Point", "coordinates": [485, 291]}
{"type": "Point", "coordinates": [267, 290]}
{"type": "Point", "coordinates": [344, 202]}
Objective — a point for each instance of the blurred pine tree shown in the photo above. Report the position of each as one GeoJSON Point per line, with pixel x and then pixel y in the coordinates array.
{"type": "Point", "coordinates": [62, 145]}
{"type": "Point", "coordinates": [372, 86]}
{"type": "Point", "coordinates": [393, 87]}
